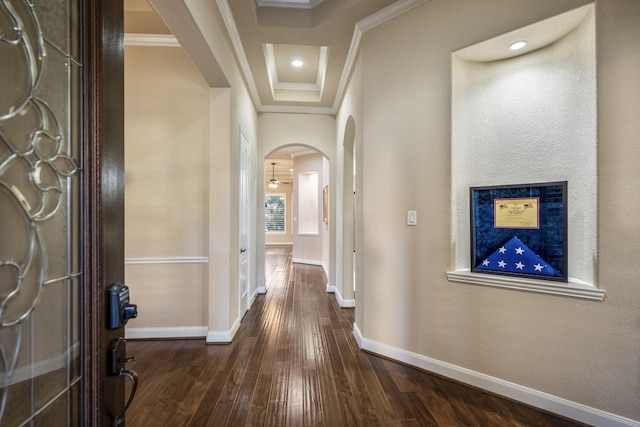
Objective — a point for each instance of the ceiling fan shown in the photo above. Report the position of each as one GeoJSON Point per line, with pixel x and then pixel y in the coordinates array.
{"type": "Point", "coordinates": [273, 182]}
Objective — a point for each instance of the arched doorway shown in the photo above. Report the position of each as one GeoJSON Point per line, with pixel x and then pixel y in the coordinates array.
{"type": "Point", "coordinates": [296, 182]}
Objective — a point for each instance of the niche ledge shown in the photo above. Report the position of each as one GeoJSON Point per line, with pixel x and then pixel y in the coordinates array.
{"type": "Point", "coordinates": [575, 288]}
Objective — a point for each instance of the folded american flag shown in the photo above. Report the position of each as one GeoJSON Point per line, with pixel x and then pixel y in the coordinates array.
{"type": "Point", "coordinates": [516, 257]}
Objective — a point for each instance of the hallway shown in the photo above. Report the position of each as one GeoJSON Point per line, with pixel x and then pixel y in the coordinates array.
{"type": "Point", "coordinates": [295, 362]}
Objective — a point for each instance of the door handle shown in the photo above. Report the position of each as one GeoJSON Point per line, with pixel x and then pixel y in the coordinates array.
{"type": "Point", "coordinates": [243, 250]}
{"type": "Point", "coordinates": [116, 367]}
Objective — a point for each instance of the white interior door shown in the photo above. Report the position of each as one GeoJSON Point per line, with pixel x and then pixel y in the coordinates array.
{"type": "Point", "coordinates": [245, 229]}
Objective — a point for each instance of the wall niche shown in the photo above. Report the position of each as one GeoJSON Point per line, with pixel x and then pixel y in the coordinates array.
{"type": "Point", "coordinates": [529, 116]}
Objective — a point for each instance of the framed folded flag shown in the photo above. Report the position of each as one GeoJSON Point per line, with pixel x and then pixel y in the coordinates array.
{"type": "Point", "coordinates": [520, 230]}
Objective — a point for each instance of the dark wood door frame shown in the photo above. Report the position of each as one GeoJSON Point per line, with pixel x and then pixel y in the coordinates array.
{"type": "Point", "coordinates": [103, 212]}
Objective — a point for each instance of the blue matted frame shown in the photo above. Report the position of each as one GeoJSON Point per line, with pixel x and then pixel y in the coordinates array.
{"type": "Point", "coordinates": [500, 249]}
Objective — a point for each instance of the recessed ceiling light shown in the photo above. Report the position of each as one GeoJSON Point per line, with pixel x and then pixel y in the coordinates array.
{"type": "Point", "coordinates": [518, 45]}
{"type": "Point", "coordinates": [297, 63]}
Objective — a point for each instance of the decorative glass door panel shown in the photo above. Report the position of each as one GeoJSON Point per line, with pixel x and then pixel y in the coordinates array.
{"type": "Point", "coordinates": [40, 212]}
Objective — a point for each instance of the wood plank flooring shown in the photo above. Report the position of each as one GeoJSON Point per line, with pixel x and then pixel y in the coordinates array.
{"type": "Point", "coordinates": [295, 362]}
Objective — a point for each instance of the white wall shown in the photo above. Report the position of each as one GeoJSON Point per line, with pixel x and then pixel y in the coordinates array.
{"type": "Point", "coordinates": [557, 352]}
{"type": "Point", "coordinates": [166, 137]}
{"type": "Point", "coordinates": [308, 246]}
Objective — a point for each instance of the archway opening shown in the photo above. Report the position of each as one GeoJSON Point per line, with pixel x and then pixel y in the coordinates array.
{"type": "Point", "coordinates": [296, 182]}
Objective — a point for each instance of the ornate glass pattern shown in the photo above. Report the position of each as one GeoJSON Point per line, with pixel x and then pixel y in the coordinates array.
{"type": "Point", "coordinates": [40, 256]}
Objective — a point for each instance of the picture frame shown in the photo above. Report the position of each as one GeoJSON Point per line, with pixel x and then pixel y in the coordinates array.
{"type": "Point", "coordinates": [325, 204]}
{"type": "Point", "coordinates": [520, 230]}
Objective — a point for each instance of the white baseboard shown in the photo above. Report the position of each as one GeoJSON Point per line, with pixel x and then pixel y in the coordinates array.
{"type": "Point", "coordinates": [172, 332]}
{"type": "Point", "coordinates": [223, 337]}
{"type": "Point", "coordinates": [184, 332]}
{"type": "Point", "coordinates": [343, 303]}
{"type": "Point", "coordinates": [262, 289]}
{"type": "Point", "coordinates": [218, 337]}
{"type": "Point", "coordinates": [538, 399]}
{"type": "Point", "coordinates": [306, 261]}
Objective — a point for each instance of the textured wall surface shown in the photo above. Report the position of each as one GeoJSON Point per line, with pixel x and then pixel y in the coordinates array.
{"type": "Point", "coordinates": [530, 119]}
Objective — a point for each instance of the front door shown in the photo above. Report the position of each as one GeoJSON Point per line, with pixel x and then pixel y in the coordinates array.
{"type": "Point", "coordinates": [61, 206]}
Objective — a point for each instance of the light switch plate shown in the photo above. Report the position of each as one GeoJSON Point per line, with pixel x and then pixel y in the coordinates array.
{"type": "Point", "coordinates": [412, 218]}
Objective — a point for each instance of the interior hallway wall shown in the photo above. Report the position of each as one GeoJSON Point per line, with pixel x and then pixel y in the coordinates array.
{"type": "Point", "coordinates": [350, 111]}
{"type": "Point", "coordinates": [308, 248]}
{"type": "Point", "coordinates": [582, 351]}
{"type": "Point", "coordinates": [166, 168]}
{"type": "Point", "coordinates": [200, 29]}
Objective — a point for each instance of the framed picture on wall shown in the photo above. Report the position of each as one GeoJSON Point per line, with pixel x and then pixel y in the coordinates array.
{"type": "Point", "coordinates": [520, 230]}
{"type": "Point", "coordinates": [325, 204]}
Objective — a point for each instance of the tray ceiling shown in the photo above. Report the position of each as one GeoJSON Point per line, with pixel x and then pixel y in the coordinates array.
{"type": "Point", "coordinates": [268, 35]}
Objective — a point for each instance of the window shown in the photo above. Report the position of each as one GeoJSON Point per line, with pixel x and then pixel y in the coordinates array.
{"type": "Point", "coordinates": [274, 212]}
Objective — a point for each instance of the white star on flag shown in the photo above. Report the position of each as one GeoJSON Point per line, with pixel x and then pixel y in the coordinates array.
{"type": "Point", "coordinates": [519, 250]}
{"type": "Point", "coordinates": [485, 262]}
{"type": "Point", "coordinates": [538, 267]}
{"type": "Point", "coordinates": [502, 250]}
{"type": "Point", "coordinates": [502, 264]}
{"type": "Point", "coordinates": [519, 265]}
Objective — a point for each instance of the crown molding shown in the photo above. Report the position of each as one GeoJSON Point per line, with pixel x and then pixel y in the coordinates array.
{"type": "Point", "coordinates": [276, 84]}
{"type": "Point", "coordinates": [294, 4]}
{"type": "Point", "coordinates": [392, 11]}
{"type": "Point", "coordinates": [232, 30]}
{"type": "Point", "coordinates": [366, 24]}
{"type": "Point", "coordinates": [157, 40]}
{"type": "Point", "coordinates": [348, 67]}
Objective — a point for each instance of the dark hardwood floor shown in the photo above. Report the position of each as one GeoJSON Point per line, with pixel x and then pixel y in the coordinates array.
{"type": "Point", "coordinates": [295, 362]}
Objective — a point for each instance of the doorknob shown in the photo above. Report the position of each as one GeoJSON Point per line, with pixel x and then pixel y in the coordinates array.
{"type": "Point", "coordinates": [116, 367]}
